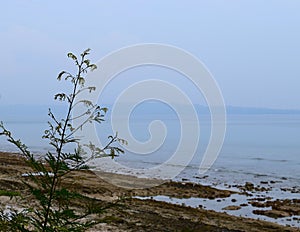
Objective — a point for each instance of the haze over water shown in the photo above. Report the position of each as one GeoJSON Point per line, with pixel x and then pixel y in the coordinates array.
{"type": "Point", "coordinates": [256, 147]}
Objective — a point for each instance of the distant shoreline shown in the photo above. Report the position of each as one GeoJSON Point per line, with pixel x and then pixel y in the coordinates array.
{"type": "Point", "coordinates": [40, 111]}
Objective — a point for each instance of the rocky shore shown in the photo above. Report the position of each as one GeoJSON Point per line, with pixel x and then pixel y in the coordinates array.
{"type": "Point", "coordinates": [141, 211]}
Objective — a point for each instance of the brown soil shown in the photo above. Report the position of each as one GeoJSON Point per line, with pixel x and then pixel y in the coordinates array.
{"type": "Point", "coordinates": [146, 215]}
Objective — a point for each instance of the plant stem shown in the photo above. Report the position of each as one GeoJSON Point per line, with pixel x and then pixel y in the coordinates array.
{"type": "Point", "coordinates": [59, 150]}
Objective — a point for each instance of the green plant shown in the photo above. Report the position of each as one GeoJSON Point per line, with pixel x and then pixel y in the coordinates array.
{"type": "Point", "coordinates": [54, 211]}
{"type": "Point", "coordinates": [9, 193]}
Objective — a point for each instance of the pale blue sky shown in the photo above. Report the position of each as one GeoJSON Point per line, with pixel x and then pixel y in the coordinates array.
{"type": "Point", "coordinates": [252, 47]}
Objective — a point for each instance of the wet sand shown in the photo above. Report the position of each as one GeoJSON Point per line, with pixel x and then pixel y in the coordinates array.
{"type": "Point", "coordinates": [139, 211]}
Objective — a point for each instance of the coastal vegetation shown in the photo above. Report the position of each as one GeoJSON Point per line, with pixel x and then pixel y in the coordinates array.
{"type": "Point", "coordinates": [53, 208]}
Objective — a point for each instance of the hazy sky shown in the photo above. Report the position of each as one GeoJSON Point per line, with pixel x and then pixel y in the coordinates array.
{"type": "Point", "coordinates": [252, 47]}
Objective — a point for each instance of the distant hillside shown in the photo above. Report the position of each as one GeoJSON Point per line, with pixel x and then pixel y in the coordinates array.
{"type": "Point", "coordinates": [252, 110]}
{"type": "Point", "coordinates": [38, 113]}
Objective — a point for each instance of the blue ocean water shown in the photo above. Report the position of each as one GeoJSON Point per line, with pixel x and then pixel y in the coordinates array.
{"type": "Point", "coordinates": [255, 146]}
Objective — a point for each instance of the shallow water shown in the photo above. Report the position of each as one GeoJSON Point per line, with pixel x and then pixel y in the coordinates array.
{"type": "Point", "coordinates": [218, 205]}
{"type": "Point", "coordinates": [256, 147]}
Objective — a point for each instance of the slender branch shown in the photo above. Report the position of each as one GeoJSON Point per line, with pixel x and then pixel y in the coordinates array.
{"type": "Point", "coordinates": [81, 101]}
{"type": "Point", "coordinates": [53, 117]}
{"type": "Point", "coordinates": [81, 125]}
{"type": "Point", "coordinates": [113, 139]}
{"type": "Point", "coordinates": [54, 182]}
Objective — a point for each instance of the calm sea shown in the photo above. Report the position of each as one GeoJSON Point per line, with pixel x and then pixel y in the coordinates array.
{"type": "Point", "coordinates": [256, 147]}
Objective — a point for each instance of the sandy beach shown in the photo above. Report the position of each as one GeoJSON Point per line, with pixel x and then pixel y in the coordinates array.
{"type": "Point", "coordinates": [146, 209]}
